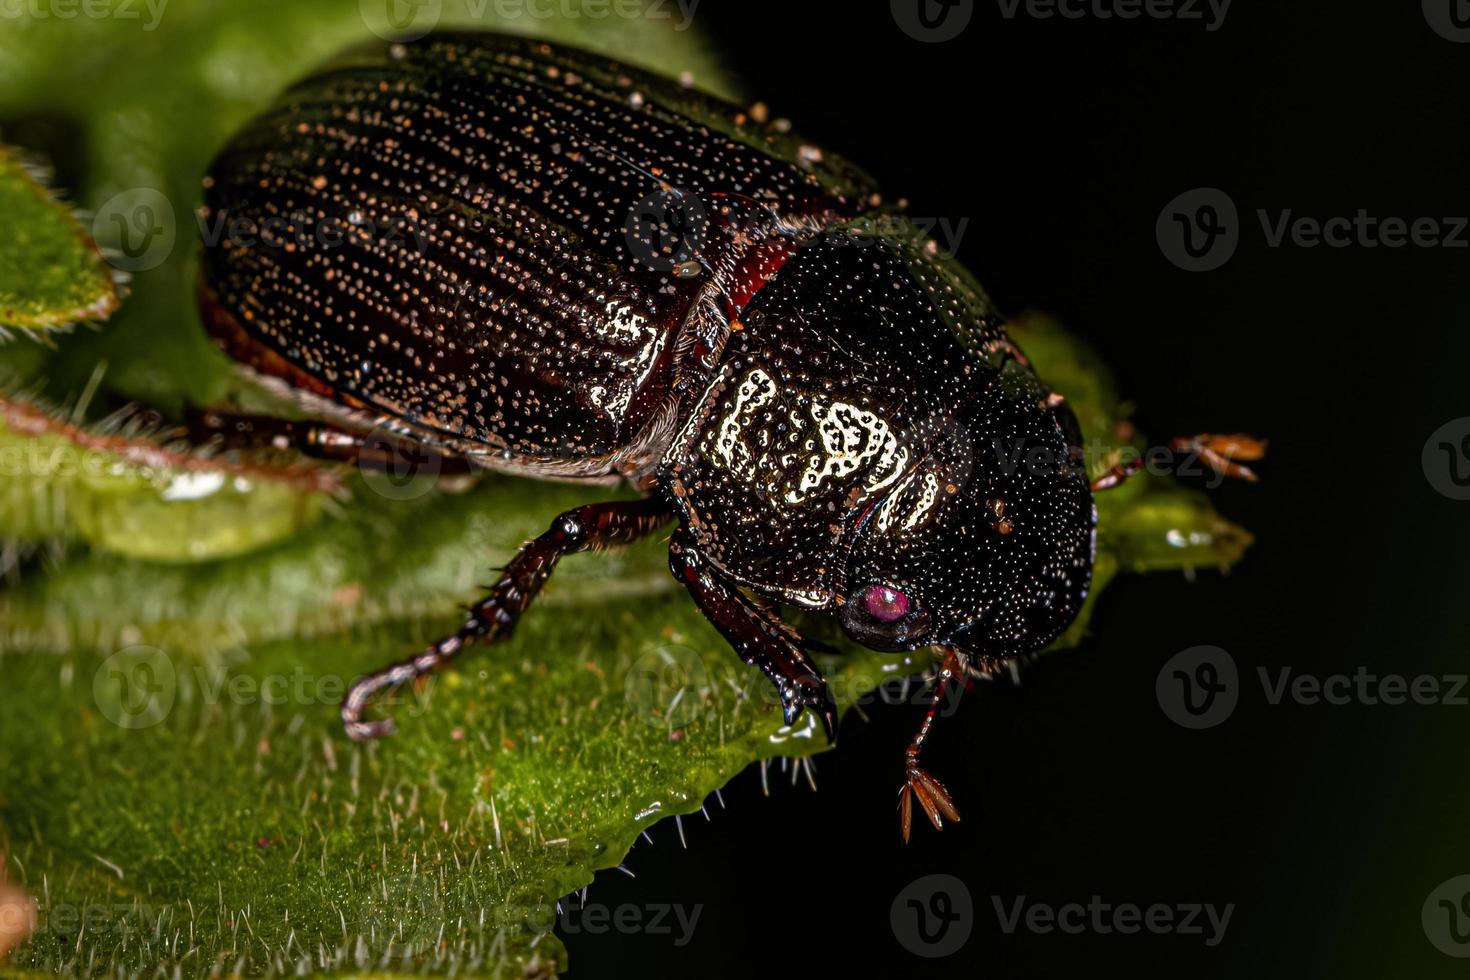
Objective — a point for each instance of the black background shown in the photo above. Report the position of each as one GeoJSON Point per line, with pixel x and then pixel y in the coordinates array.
{"type": "Point", "coordinates": [1326, 826]}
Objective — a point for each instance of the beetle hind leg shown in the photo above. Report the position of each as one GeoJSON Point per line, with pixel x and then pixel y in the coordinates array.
{"type": "Point", "coordinates": [321, 440]}
{"type": "Point", "coordinates": [918, 784]}
{"type": "Point", "coordinates": [494, 617]}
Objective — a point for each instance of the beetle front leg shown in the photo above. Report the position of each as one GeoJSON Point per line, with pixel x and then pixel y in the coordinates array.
{"type": "Point", "coordinates": [757, 634]}
{"type": "Point", "coordinates": [495, 616]}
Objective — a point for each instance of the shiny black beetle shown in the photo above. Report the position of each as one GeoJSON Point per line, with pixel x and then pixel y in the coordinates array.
{"type": "Point", "coordinates": [545, 262]}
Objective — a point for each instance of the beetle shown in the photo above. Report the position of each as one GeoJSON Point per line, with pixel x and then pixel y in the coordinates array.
{"type": "Point", "coordinates": [535, 260]}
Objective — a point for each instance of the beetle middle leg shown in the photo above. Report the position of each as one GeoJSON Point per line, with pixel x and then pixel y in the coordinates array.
{"type": "Point", "coordinates": [757, 634]}
{"type": "Point", "coordinates": [495, 616]}
{"type": "Point", "coordinates": [918, 784]}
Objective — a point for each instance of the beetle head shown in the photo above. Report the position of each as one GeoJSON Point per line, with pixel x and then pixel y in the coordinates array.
{"type": "Point", "coordinates": [986, 541]}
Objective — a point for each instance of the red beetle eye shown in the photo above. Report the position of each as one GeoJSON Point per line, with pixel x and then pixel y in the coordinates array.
{"type": "Point", "coordinates": [885, 603]}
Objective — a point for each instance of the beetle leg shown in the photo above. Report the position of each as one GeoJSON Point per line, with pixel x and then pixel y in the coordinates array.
{"type": "Point", "coordinates": [757, 634]}
{"type": "Point", "coordinates": [319, 440]}
{"type": "Point", "coordinates": [918, 784]}
{"type": "Point", "coordinates": [495, 616]}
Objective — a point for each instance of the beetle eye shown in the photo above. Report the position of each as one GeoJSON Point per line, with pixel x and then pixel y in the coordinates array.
{"type": "Point", "coordinates": [885, 603]}
{"type": "Point", "coordinates": [881, 617]}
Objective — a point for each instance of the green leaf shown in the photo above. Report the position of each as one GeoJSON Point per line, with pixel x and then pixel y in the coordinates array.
{"type": "Point", "coordinates": [129, 496]}
{"type": "Point", "coordinates": [51, 275]}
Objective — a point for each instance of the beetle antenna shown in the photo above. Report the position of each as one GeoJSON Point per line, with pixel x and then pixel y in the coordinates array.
{"type": "Point", "coordinates": [918, 784]}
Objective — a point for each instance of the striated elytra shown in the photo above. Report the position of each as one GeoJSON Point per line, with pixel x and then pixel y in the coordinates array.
{"type": "Point", "coordinates": [531, 259]}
